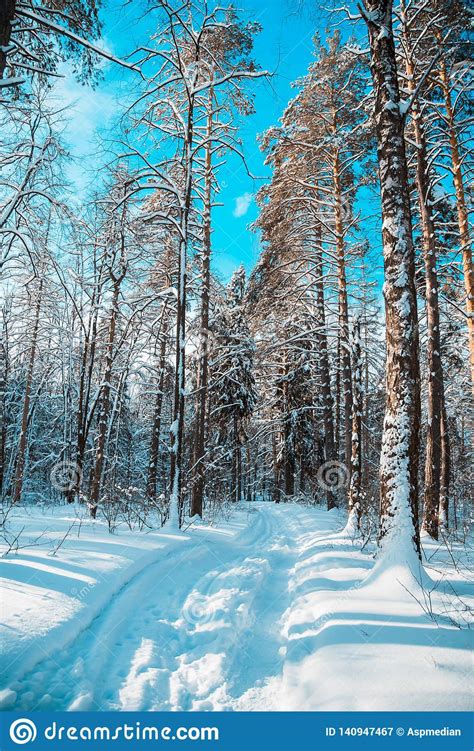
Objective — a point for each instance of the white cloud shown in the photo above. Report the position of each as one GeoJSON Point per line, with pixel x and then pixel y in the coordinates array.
{"type": "Point", "coordinates": [242, 204]}
{"type": "Point", "coordinates": [87, 110]}
{"type": "Point", "coordinates": [87, 113]}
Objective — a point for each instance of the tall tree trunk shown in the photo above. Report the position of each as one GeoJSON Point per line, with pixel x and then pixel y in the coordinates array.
{"type": "Point", "coordinates": [104, 409]}
{"type": "Point", "coordinates": [445, 471]}
{"type": "Point", "coordinates": [177, 426]}
{"type": "Point", "coordinates": [365, 424]}
{"type": "Point", "coordinates": [399, 526]}
{"type": "Point", "coordinates": [22, 443]}
{"type": "Point", "coordinates": [75, 488]}
{"type": "Point", "coordinates": [276, 478]}
{"type": "Point", "coordinates": [237, 461]}
{"type": "Point", "coordinates": [200, 436]}
{"type": "Point", "coordinates": [111, 451]}
{"type": "Point", "coordinates": [343, 311]}
{"type": "Point", "coordinates": [355, 488]}
{"type": "Point", "coordinates": [323, 365]}
{"type": "Point", "coordinates": [288, 452]}
{"type": "Point", "coordinates": [289, 474]}
{"type": "Point", "coordinates": [156, 428]}
{"type": "Point", "coordinates": [233, 478]}
{"type": "Point", "coordinates": [3, 408]}
{"type": "Point", "coordinates": [7, 14]}
{"type": "Point", "coordinates": [289, 457]}
{"type": "Point", "coordinates": [249, 475]}
{"type": "Point", "coordinates": [463, 219]}
{"type": "Point", "coordinates": [85, 384]}
{"type": "Point", "coordinates": [426, 201]}
{"type": "Point", "coordinates": [337, 409]}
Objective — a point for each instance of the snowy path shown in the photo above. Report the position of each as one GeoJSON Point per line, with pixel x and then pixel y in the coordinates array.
{"type": "Point", "coordinates": [171, 635]}
{"type": "Point", "coordinates": [266, 612]}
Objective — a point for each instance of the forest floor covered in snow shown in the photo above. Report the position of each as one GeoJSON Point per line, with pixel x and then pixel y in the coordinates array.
{"type": "Point", "coordinates": [276, 608]}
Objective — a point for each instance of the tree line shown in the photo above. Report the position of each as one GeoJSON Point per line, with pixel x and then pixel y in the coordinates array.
{"type": "Point", "coordinates": [134, 381]}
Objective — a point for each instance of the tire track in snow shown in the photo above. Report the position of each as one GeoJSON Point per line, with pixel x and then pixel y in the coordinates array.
{"type": "Point", "coordinates": [139, 636]}
{"type": "Point", "coordinates": [204, 615]}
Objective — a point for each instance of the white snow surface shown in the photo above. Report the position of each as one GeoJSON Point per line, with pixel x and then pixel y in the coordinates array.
{"type": "Point", "coordinates": [275, 609]}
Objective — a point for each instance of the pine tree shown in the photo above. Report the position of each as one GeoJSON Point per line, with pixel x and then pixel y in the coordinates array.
{"type": "Point", "coordinates": [232, 386]}
{"type": "Point", "coordinates": [427, 201]}
{"type": "Point", "coordinates": [35, 38]}
{"type": "Point", "coordinates": [355, 489]}
{"type": "Point", "coordinates": [399, 527]}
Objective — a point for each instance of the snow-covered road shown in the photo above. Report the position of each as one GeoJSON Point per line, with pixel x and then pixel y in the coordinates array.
{"type": "Point", "coordinates": [267, 611]}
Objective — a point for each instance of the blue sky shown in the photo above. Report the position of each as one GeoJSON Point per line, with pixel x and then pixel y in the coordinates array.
{"type": "Point", "coordinates": [284, 47]}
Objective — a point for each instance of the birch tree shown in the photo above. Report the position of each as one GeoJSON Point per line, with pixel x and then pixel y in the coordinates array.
{"type": "Point", "coordinates": [185, 64]}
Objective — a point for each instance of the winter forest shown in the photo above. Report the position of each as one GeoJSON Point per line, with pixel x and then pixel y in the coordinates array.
{"type": "Point", "coordinates": [247, 475]}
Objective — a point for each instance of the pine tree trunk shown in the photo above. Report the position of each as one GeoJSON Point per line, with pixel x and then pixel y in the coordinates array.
{"type": "Point", "coordinates": [463, 219]}
{"type": "Point", "coordinates": [365, 425]}
{"type": "Point", "coordinates": [288, 453]}
{"type": "Point", "coordinates": [355, 486]}
{"type": "Point", "coordinates": [238, 451]}
{"type": "Point", "coordinates": [445, 472]}
{"type": "Point", "coordinates": [343, 306]}
{"type": "Point", "coordinates": [236, 491]}
{"type": "Point", "coordinates": [23, 442]}
{"type": "Point", "coordinates": [399, 527]}
{"type": "Point", "coordinates": [255, 477]}
{"type": "Point", "coordinates": [435, 373]}
{"type": "Point", "coordinates": [289, 470]}
{"type": "Point", "coordinates": [7, 14]}
{"type": "Point", "coordinates": [199, 479]}
{"type": "Point", "coordinates": [433, 350]}
{"type": "Point", "coordinates": [337, 407]}
{"type": "Point", "coordinates": [276, 478]}
{"type": "Point", "coordinates": [323, 365]}
{"type": "Point", "coordinates": [233, 491]}
{"type": "Point", "coordinates": [250, 475]}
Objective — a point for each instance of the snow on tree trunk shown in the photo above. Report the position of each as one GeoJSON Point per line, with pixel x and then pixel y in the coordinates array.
{"type": "Point", "coordinates": [399, 528]}
{"type": "Point", "coordinates": [463, 219]}
{"type": "Point", "coordinates": [7, 13]}
{"type": "Point", "coordinates": [355, 487]}
{"type": "Point", "coordinates": [104, 409]}
{"type": "Point", "coordinates": [426, 201]}
{"type": "Point", "coordinates": [323, 365]}
{"type": "Point", "coordinates": [177, 428]}
{"type": "Point", "coordinates": [203, 365]}
{"type": "Point", "coordinates": [83, 419]}
{"type": "Point", "coordinates": [156, 428]}
{"type": "Point", "coordinates": [3, 409]}
{"type": "Point", "coordinates": [445, 471]}
{"type": "Point", "coordinates": [23, 440]}
{"type": "Point", "coordinates": [343, 311]}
